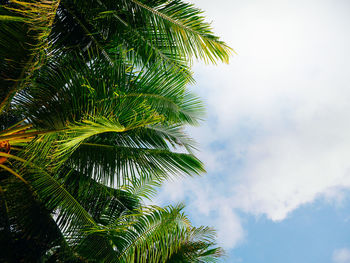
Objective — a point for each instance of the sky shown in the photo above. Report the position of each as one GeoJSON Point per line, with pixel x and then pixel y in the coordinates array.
{"type": "Point", "coordinates": [276, 141]}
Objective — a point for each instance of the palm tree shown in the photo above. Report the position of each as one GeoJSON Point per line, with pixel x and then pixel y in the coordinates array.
{"type": "Point", "coordinates": [90, 127]}
{"type": "Point", "coordinates": [90, 146]}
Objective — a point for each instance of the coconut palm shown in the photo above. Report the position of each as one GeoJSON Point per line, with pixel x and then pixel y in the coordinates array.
{"type": "Point", "coordinates": [92, 154]}
{"type": "Point", "coordinates": [90, 127]}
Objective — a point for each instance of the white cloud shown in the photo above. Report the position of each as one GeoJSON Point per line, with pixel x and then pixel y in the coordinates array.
{"type": "Point", "coordinates": [229, 228]}
{"type": "Point", "coordinates": [278, 114]}
{"type": "Point", "coordinates": [289, 88]}
{"type": "Point", "coordinates": [341, 255]}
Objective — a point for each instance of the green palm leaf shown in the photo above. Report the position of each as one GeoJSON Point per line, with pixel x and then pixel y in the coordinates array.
{"type": "Point", "coordinates": [169, 32]}
{"type": "Point", "coordinates": [28, 23]}
{"type": "Point", "coordinates": [97, 107]}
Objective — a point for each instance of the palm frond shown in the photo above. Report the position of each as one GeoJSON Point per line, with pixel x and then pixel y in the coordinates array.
{"type": "Point", "coordinates": [170, 32]}
{"type": "Point", "coordinates": [28, 23]}
{"type": "Point", "coordinates": [189, 31]}
{"type": "Point", "coordinates": [146, 236]}
{"type": "Point", "coordinates": [159, 235]}
{"type": "Point", "coordinates": [116, 165]}
{"type": "Point", "coordinates": [198, 247]}
{"type": "Point", "coordinates": [26, 225]}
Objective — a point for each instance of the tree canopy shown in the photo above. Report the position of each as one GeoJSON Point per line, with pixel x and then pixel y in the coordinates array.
{"type": "Point", "coordinates": [93, 109]}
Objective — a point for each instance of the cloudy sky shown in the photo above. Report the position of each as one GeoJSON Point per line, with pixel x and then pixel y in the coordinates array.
{"type": "Point", "coordinates": [276, 142]}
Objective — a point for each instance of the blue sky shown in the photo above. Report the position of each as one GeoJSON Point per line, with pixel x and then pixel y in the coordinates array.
{"type": "Point", "coordinates": [276, 142]}
{"type": "Point", "coordinates": [313, 233]}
